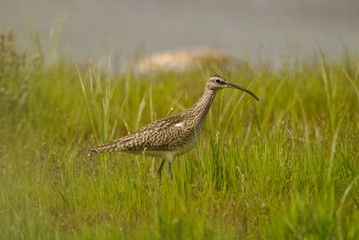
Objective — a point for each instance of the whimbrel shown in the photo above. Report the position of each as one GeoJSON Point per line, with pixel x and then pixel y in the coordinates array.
{"type": "Point", "coordinates": [172, 136]}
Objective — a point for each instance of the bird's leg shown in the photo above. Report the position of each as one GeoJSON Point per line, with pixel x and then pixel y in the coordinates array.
{"type": "Point", "coordinates": [169, 171]}
{"type": "Point", "coordinates": [159, 171]}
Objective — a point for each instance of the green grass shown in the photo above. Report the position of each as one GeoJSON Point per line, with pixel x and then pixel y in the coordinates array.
{"type": "Point", "coordinates": [285, 167]}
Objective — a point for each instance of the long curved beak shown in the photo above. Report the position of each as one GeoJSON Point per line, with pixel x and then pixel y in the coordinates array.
{"type": "Point", "coordinates": [243, 89]}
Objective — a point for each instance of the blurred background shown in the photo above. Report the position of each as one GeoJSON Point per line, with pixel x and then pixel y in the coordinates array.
{"type": "Point", "coordinates": [255, 30]}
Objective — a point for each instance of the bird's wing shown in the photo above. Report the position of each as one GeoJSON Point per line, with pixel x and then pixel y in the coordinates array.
{"type": "Point", "coordinates": [159, 135]}
{"type": "Point", "coordinates": [163, 135]}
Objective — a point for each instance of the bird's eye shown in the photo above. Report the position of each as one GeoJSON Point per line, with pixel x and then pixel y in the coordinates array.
{"type": "Point", "coordinates": [218, 81]}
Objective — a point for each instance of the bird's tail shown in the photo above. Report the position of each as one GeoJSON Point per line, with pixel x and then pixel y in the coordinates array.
{"type": "Point", "coordinates": [112, 146]}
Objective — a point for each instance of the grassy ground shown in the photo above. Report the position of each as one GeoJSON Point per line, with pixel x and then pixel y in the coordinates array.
{"type": "Point", "coordinates": [285, 167]}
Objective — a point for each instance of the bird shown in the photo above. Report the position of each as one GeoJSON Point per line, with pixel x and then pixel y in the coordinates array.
{"type": "Point", "coordinates": [172, 136]}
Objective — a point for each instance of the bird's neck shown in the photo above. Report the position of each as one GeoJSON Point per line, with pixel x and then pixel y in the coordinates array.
{"type": "Point", "coordinates": [203, 105]}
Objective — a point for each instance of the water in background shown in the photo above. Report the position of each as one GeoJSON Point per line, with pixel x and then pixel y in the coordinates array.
{"type": "Point", "coordinates": [258, 30]}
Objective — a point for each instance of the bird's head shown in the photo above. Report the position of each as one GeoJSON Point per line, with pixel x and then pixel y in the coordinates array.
{"type": "Point", "coordinates": [216, 83]}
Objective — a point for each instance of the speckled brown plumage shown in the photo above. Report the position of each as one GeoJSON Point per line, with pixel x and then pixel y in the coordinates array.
{"type": "Point", "coordinates": [174, 135]}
